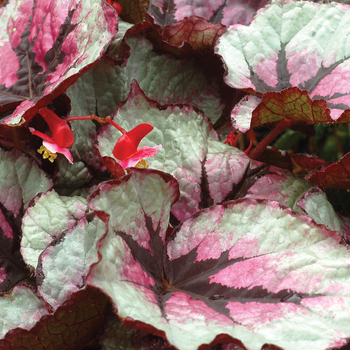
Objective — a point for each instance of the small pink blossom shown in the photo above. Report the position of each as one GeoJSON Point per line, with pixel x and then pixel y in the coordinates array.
{"type": "Point", "coordinates": [52, 147]}
{"type": "Point", "coordinates": [126, 149]}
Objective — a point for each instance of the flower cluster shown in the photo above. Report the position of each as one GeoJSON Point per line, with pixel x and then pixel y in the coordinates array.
{"type": "Point", "coordinates": [125, 150]}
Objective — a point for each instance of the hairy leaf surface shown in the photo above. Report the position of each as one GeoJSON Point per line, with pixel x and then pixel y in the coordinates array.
{"type": "Point", "coordinates": [163, 78]}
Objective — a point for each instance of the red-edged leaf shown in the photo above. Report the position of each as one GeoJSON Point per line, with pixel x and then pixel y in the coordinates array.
{"type": "Point", "coordinates": [299, 64]}
{"type": "Point", "coordinates": [291, 103]}
{"type": "Point", "coordinates": [187, 37]}
{"type": "Point", "coordinates": [335, 175]}
{"type": "Point", "coordinates": [244, 268]}
{"type": "Point", "coordinates": [46, 46]}
{"type": "Point", "coordinates": [198, 32]}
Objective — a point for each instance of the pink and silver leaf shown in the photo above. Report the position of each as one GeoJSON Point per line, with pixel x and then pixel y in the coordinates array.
{"type": "Point", "coordinates": [299, 63]}
{"type": "Point", "coordinates": [244, 268]}
{"type": "Point", "coordinates": [46, 47]}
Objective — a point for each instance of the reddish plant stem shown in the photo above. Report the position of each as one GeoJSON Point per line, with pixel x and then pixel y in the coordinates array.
{"type": "Point", "coordinates": [116, 126]}
{"type": "Point", "coordinates": [283, 125]}
{"type": "Point", "coordinates": [98, 119]}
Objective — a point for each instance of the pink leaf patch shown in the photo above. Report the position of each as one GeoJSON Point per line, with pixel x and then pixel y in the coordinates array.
{"type": "Point", "coordinates": [301, 69]}
{"type": "Point", "coordinates": [244, 268]}
{"type": "Point", "coordinates": [46, 46]}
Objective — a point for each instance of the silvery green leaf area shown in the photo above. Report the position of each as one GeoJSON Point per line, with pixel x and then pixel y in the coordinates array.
{"type": "Point", "coordinates": [174, 174]}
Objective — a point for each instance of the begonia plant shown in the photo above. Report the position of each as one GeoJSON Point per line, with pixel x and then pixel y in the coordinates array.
{"type": "Point", "coordinates": [174, 175]}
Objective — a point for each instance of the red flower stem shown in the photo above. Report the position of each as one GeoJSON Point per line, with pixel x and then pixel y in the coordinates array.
{"type": "Point", "coordinates": [116, 126]}
{"type": "Point", "coordinates": [283, 125]}
{"type": "Point", "coordinates": [98, 119]}
{"type": "Point", "coordinates": [235, 142]}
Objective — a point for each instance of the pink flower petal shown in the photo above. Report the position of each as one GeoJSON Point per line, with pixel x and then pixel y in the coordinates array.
{"type": "Point", "coordinates": [144, 152]}
{"type": "Point", "coordinates": [54, 148]}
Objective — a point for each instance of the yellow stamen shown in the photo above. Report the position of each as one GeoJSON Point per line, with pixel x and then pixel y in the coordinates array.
{"type": "Point", "coordinates": [142, 164]}
{"type": "Point", "coordinates": [47, 154]}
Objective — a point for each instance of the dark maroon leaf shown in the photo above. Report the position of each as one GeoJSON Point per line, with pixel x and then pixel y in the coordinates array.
{"type": "Point", "coordinates": [46, 46]}
{"type": "Point", "coordinates": [335, 175]}
{"type": "Point", "coordinates": [20, 181]}
{"type": "Point", "coordinates": [114, 168]}
{"type": "Point", "coordinates": [71, 327]}
{"type": "Point", "coordinates": [134, 10]}
{"type": "Point", "coordinates": [277, 158]}
{"type": "Point", "coordinates": [309, 162]}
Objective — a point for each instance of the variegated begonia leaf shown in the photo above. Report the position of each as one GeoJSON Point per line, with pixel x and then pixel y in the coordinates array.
{"type": "Point", "coordinates": [208, 171]}
{"type": "Point", "coordinates": [184, 134]}
{"type": "Point", "coordinates": [227, 12]}
{"type": "Point", "coordinates": [294, 56]}
{"type": "Point", "coordinates": [46, 46]}
{"type": "Point", "coordinates": [60, 240]}
{"type": "Point", "coordinates": [45, 220]}
{"type": "Point", "coordinates": [251, 269]}
{"type": "Point", "coordinates": [71, 327]}
{"type": "Point", "coordinates": [163, 78]}
{"type": "Point", "coordinates": [20, 181]}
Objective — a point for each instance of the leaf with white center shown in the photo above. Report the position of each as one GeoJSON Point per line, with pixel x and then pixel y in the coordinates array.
{"type": "Point", "coordinates": [65, 263]}
{"type": "Point", "coordinates": [295, 55]}
{"type": "Point", "coordinates": [190, 151]}
{"type": "Point", "coordinates": [245, 268]}
{"type": "Point", "coordinates": [45, 220]}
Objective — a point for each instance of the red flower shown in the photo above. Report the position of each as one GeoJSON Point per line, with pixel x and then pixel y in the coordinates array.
{"type": "Point", "coordinates": [116, 6]}
{"type": "Point", "coordinates": [61, 136]}
{"type": "Point", "coordinates": [126, 151]}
